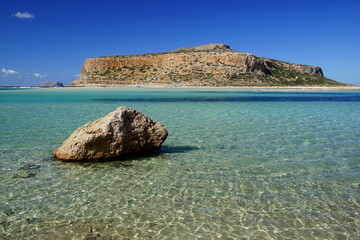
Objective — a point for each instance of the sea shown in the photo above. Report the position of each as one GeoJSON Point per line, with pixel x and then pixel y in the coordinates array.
{"type": "Point", "coordinates": [237, 164]}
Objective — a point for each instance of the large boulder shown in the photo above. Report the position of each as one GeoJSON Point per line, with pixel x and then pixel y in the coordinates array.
{"type": "Point", "coordinates": [122, 132]}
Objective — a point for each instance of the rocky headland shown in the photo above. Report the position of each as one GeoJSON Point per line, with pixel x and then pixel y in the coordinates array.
{"type": "Point", "coordinates": [206, 65]}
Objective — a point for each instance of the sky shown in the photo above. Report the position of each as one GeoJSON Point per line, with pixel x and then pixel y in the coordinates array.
{"type": "Point", "coordinates": [49, 40]}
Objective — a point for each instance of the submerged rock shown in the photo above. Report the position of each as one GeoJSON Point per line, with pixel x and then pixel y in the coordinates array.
{"type": "Point", "coordinates": [122, 132]}
{"type": "Point", "coordinates": [29, 167]}
{"type": "Point", "coordinates": [23, 175]}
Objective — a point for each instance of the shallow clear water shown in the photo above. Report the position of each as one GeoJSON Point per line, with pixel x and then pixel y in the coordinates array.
{"type": "Point", "coordinates": [236, 165]}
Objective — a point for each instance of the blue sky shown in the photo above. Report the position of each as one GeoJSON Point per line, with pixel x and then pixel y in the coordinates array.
{"type": "Point", "coordinates": [43, 41]}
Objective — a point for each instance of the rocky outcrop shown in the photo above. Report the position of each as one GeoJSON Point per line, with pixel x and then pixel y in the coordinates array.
{"type": "Point", "coordinates": [207, 65]}
{"type": "Point", "coordinates": [52, 84]}
{"type": "Point", "coordinates": [122, 132]}
{"type": "Point", "coordinates": [206, 47]}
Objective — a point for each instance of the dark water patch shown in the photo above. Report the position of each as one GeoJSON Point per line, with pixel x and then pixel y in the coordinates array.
{"type": "Point", "coordinates": [274, 92]}
{"type": "Point", "coordinates": [29, 167]}
{"type": "Point", "coordinates": [178, 149]}
{"type": "Point", "coordinates": [125, 158]}
{"type": "Point", "coordinates": [113, 164]}
{"type": "Point", "coordinates": [349, 93]}
{"type": "Point", "coordinates": [340, 98]}
{"type": "Point", "coordinates": [216, 92]}
{"type": "Point", "coordinates": [23, 174]}
{"type": "Point", "coordinates": [126, 161]}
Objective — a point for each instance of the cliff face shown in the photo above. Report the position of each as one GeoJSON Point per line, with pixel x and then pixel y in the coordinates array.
{"type": "Point", "coordinates": [207, 65]}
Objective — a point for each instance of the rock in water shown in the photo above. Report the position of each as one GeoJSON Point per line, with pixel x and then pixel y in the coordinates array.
{"type": "Point", "coordinates": [29, 167]}
{"type": "Point", "coordinates": [23, 175]}
{"type": "Point", "coordinates": [52, 84]}
{"type": "Point", "coordinates": [122, 132]}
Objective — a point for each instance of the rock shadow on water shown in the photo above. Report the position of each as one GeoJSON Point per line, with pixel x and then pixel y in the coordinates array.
{"type": "Point", "coordinates": [128, 161]}
{"type": "Point", "coordinates": [178, 149]}
{"type": "Point", "coordinates": [123, 161]}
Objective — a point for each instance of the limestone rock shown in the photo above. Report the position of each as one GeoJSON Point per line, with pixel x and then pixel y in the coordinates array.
{"type": "Point", "coordinates": [122, 132]}
{"type": "Point", "coordinates": [52, 84]}
{"type": "Point", "coordinates": [206, 65]}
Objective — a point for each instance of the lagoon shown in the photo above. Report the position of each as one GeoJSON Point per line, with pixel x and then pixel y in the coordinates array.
{"type": "Point", "coordinates": [238, 164]}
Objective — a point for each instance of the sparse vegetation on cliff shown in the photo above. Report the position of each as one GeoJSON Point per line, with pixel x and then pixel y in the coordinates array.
{"type": "Point", "coordinates": [207, 65]}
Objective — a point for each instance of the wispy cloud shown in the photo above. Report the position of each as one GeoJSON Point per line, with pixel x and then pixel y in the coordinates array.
{"type": "Point", "coordinates": [23, 15]}
{"type": "Point", "coordinates": [78, 75]}
{"type": "Point", "coordinates": [39, 75]}
{"type": "Point", "coordinates": [9, 72]}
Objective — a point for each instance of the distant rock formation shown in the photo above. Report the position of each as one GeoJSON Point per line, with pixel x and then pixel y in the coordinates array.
{"type": "Point", "coordinates": [122, 132]}
{"type": "Point", "coordinates": [207, 65]}
{"type": "Point", "coordinates": [52, 84]}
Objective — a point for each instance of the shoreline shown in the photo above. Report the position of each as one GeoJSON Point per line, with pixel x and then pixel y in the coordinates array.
{"type": "Point", "coordinates": [183, 86]}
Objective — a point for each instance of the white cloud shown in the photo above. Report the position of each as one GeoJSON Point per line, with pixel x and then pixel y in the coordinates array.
{"type": "Point", "coordinates": [39, 75]}
{"type": "Point", "coordinates": [9, 72]}
{"type": "Point", "coordinates": [78, 75]}
{"type": "Point", "coordinates": [23, 15]}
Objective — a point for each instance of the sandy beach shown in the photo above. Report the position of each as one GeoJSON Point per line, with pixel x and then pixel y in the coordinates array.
{"type": "Point", "coordinates": [256, 88]}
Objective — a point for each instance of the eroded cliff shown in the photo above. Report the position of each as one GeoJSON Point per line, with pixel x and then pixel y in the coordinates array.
{"type": "Point", "coordinates": [207, 65]}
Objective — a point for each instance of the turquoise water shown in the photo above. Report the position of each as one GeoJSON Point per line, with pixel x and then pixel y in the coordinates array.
{"type": "Point", "coordinates": [236, 165]}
